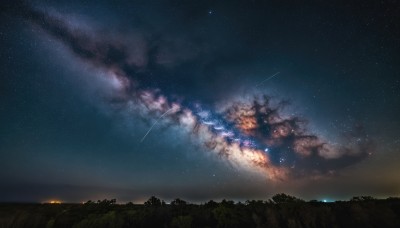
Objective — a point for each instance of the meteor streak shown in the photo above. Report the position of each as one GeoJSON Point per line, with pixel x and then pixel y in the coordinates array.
{"type": "Point", "coordinates": [165, 113]}
{"type": "Point", "coordinates": [243, 131]}
{"type": "Point", "coordinates": [267, 79]}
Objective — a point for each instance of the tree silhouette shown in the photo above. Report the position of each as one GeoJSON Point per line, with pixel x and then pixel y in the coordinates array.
{"type": "Point", "coordinates": [153, 201]}
{"type": "Point", "coordinates": [178, 202]}
{"type": "Point", "coordinates": [283, 211]}
{"type": "Point", "coordinates": [283, 198]}
{"type": "Point", "coordinates": [362, 198]}
{"type": "Point", "coordinates": [211, 204]}
{"type": "Point", "coordinates": [182, 221]}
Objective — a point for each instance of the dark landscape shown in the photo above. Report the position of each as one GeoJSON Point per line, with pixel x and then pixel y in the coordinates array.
{"type": "Point", "coordinates": [116, 101]}
{"type": "Point", "coordinates": [280, 211]}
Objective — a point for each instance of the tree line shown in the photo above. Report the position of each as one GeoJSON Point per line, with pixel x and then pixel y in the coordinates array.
{"type": "Point", "coordinates": [281, 210]}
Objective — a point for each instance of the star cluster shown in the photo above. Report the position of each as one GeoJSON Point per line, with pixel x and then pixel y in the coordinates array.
{"type": "Point", "coordinates": [208, 78]}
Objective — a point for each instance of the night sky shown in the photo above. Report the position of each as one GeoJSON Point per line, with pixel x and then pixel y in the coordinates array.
{"type": "Point", "coordinates": [199, 100]}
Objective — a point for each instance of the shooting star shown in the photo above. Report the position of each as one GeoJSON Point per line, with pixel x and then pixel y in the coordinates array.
{"type": "Point", "coordinates": [268, 79]}
{"type": "Point", "coordinates": [165, 113]}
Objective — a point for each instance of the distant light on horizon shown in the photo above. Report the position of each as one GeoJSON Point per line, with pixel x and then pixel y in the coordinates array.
{"type": "Point", "coordinates": [55, 202]}
{"type": "Point", "coordinates": [327, 200]}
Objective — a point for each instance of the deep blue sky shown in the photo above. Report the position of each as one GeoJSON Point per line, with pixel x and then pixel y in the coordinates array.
{"type": "Point", "coordinates": [72, 111]}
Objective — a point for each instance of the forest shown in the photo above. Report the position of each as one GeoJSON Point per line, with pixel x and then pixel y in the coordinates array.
{"type": "Point", "coordinates": [281, 210]}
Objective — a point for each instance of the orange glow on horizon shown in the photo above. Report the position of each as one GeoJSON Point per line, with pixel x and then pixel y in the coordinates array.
{"type": "Point", "coordinates": [55, 202]}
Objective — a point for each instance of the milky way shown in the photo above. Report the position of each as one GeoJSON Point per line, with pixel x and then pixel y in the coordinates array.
{"type": "Point", "coordinates": [253, 134]}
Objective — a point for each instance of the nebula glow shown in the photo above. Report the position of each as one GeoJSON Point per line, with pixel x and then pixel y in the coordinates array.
{"type": "Point", "coordinates": [250, 134]}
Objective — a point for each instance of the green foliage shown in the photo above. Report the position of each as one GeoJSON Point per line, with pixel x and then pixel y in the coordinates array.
{"type": "Point", "coordinates": [283, 198]}
{"type": "Point", "coordinates": [110, 219]}
{"type": "Point", "coordinates": [178, 202]}
{"type": "Point", "coordinates": [182, 221]}
{"type": "Point", "coordinates": [153, 201]}
{"type": "Point", "coordinates": [283, 211]}
{"type": "Point", "coordinates": [362, 198]}
{"type": "Point", "coordinates": [226, 216]}
{"type": "Point", "coordinates": [211, 204]}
